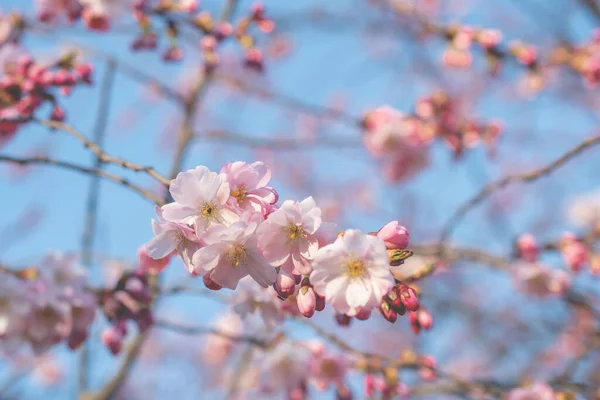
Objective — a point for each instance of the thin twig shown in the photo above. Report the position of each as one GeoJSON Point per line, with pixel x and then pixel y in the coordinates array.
{"type": "Point", "coordinates": [202, 330]}
{"type": "Point", "coordinates": [89, 230]}
{"type": "Point", "coordinates": [526, 177]}
{"type": "Point", "coordinates": [102, 156]}
{"type": "Point", "coordinates": [92, 171]}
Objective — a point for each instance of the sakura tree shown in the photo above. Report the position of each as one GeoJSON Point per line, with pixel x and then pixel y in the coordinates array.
{"type": "Point", "coordinates": [367, 199]}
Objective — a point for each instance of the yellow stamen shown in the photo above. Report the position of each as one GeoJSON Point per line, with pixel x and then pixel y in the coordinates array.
{"type": "Point", "coordinates": [210, 212]}
{"type": "Point", "coordinates": [240, 193]}
{"type": "Point", "coordinates": [237, 255]}
{"type": "Point", "coordinates": [355, 268]}
{"type": "Point", "coordinates": [294, 232]}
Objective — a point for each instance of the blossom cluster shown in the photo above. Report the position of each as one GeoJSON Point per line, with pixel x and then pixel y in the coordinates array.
{"type": "Point", "coordinates": [531, 275]}
{"type": "Point", "coordinates": [402, 141]}
{"type": "Point", "coordinates": [26, 85]}
{"type": "Point", "coordinates": [228, 225]}
{"type": "Point", "coordinates": [98, 15]}
{"type": "Point", "coordinates": [129, 300]}
{"type": "Point", "coordinates": [45, 305]}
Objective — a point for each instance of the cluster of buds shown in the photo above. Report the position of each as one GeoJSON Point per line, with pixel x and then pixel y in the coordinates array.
{"type": "Point", "coordinates": [574, 252]}
{"type": "Point", "coordinates": [45, 305]}
{"type": "Point", "coordinates": [389, 388]}
{"type": "Point", "coordinates": [402, 141]}
{"type": "Point", "coordinates": [400, 299]}
{"type": "Point", "coordinates": [214, 32]}
{"type": "Point", "coordinates": [462, 38]}
{"type": "Point", "coordinates": [307, 300]}
{"type": "Point", "coordinates": [27, 85]}
{"type": "Point", "coordinates": [129, 300]}
{"type": "Point", "coordinates": [441, 118]}
{"type": "Point", "coordinates": [534, 277]}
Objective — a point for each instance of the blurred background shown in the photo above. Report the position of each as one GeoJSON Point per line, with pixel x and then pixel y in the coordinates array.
{"type": "Point", "coordinates": [326, 65]}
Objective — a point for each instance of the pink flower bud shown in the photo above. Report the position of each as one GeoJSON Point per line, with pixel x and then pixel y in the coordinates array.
{"type": "Point", "coordinates": [58, 114]}
{"type": "Point", "coordinates": [388, 312]}
{"type": "Point", "coordinates": [85, 72]}
{"type": "Point", "coordinates": [210, 284]}
{"type": "Point", "coordinates": [173, 54]}
{"type": "Point", "coordinates": [285, 284]}
{"type": "Point", "coordinates": [113, 339]}
{"type": "Point", "coordinates": [343, 319]}
{"type": "Point", "coordinates": [254, 59]}
{"type": "Point", "coordinates": [363, 315]}
{"type": "Point", "coordinates": [208, 43]}
{"type": "Point", "coordinates": [307, 301]}
{"type": "Point", "coordinates": [489, 38]}
{"type": "Point", "coordinates": [224, 29]}
{"type": "Point", "coordinates": [425, 319]}
{"type": "Point", "coordinates": [394, 235]}
{"type": "Point", "coordinates": [527, 247]}
{"type": "Point", "coordinates": [574, 252]}
{"type": "Point", "coordinates": [414, 322]}
{"type": "Point", "coordinates": [370, 385]}
{"type": "Point", "coordinates": [409, 297]}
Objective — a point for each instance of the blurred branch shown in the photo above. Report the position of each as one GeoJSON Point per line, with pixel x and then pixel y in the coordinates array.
{"type": "Point", "coordinates": [291, 102]}
{"type": "Point", "coordinates": [89, 230]}
{"type": "Point", "coordinates": [186, 136]}
{"type": "Point", "coordinates": [92, 171]}
{"type": "Point", "coordinates": [202, 330]}
{"type": "Point", "coordinates": [284, 144]}
{"type": "Point", "coordinates": [526, 177]}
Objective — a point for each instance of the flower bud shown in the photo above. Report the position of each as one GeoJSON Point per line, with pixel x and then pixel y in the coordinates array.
{"type": "Point", "coordinates": [425, 319]}
{"type": "Point", "coordinates": [363, 315]}
{"type": "Point", "coordinates": [409, 297]}
{"type": "Point", "coordinates": [394, 235]}
{"type": "Point", "coordinates": [113, 339]}
{"type": "Point", "coordinates": [527, 247]}
{"type": "Point", "coordinates": [285, 284]}
{"type": "Point", "coordinates": [343, 319]}
{"type": "Point", "coordinates": [388, 312]}
{"type": "Point", "coordinates": [306, 299]}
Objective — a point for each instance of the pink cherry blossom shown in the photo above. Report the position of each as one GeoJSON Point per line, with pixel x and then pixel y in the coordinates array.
{"type": "Point", "coordinates": [537, 279]}
{"type": "Point", "coordinates": [394, 235]}
{"type": "Point", "coordinates": [200, 198]}
{"type": "Point", "coordinates": [527, 248]}
{"type": "Point", "coordinates": [574, 252]}
{"type": "Point", "coordinates": [328, 369]}
{"type": "Point", "coordinates": [285, 368]}
{"type": "Point", "coordinates": [149, 264]}
{"type": "Point", "coordinates": [172, 236]}
{"type": "Point", "coordinates": [231, 253]}
{"type": "Point", "coordinates": [250, 299]}
{"type": "Point", "coordinates": [248, 186]}
{"type": "Point", "coordinates": [537, 391]}
{"type": "Point", "coordinates": [217, 348]}
{"type": "Point", "coordinates": [14, 307]}
{"type": "Point", "coordinates": [288, 237]}
{"type": "Point", "coordinates": [353, 273]}
{"type": "Point", "coordinates": [50, 10]}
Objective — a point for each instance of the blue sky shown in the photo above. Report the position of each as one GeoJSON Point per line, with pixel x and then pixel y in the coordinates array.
{"type": "Point", "coordinates": [326, 63]}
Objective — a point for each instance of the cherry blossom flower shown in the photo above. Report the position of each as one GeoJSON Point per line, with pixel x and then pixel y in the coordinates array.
{"type": "Point", "coordinates": [537, 391]}
{"type": "Point", "coordinates": [149, 264]}
{"type": "Point", "coordinates": [353, 273]}
{"type": "Point", "coordinates": [231, 253]}
{"type": "Point", "coordinates": [328, 369]}
{"type": "Point", "coordinates": [537, 279]}
{"type": "Point", "coordinates": [172, 236]}
{"type": "Point", "coordinates": [217, 348]}
{"type": "Point", "coordinates": [285, 368]}
{"type": "Point", "coordinates": [248, 185]}
{"type": "Point", "coordinates": [14, 307]}
{"type": "Point", "coordinates": [585, 210]}
{"type": "Point", "coordinates": [50, 10]}
{"type": "Point", "coordinates": [200, 198]}
{"type": "Point", "coordinates": [288, 238]}
{"type": "Point", "coordinates": [251, 299]}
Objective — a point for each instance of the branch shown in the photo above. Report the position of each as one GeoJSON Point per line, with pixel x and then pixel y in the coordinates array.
{"type": "Point", "coordinates": [291, 102]}
{"type": "Point", "coordinates": [102, 156]}
{"type": "Point", "coordinates": [87, 241]}
{"type": "Point", "coordinates": [91, 171]}
{"type": "Point", "coordinates": [201, 330]}
{"type": "Point", "coordinates": [526, 177]}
